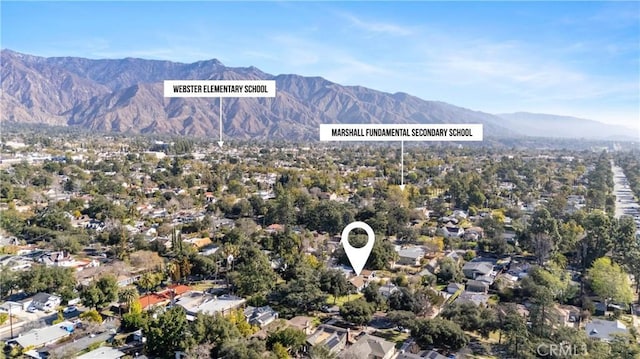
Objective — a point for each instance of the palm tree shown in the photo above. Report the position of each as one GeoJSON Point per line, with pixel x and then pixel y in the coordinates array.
{"type": "Point", "coordinates": [147, 282]}
{"type": "Point", "coordinates": [127, 296]}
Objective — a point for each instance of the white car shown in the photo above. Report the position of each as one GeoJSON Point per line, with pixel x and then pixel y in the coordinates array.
{"type": "Point", "coordinates": [70, 309]}
{"type": "Point", "coordinates": [32, 309]}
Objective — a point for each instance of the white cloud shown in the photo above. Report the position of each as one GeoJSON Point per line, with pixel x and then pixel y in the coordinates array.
{"type": "Point", "coordinates": [377, 27]}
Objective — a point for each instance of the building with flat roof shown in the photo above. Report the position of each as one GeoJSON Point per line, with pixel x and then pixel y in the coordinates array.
{"type": "Point", "coordinates": [44, 336]}
{"type": "Point", "coordinates": [194, 302]}
{"type": "Point", "coordinates": [103, 353]}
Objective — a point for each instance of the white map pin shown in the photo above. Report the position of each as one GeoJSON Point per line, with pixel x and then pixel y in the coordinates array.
{"type": "Point", "coordinates": [358, 256]}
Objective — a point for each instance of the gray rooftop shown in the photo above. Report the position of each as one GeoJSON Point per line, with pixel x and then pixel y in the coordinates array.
{"type": "Point", "coordinates": [369, 346]}
{"type": "Point", "coordinates": [605, 329]}
{"type": "Point", "coordinates": [412, 252]}
{"type": "Point", "coordinates": [103, 353]}
{"type": "Point", "coordinates": [44, 336]}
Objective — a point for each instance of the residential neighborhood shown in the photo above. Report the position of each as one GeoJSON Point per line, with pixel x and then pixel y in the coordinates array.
{"type": "Point", "coordinates": [131, 248]}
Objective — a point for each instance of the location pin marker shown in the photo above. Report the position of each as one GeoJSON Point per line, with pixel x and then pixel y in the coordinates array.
{"type": "Point", "coordinates": [357, 256]}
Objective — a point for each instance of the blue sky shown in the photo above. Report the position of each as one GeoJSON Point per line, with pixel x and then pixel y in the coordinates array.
{"type": "Point", "coordinates": [569, 58]}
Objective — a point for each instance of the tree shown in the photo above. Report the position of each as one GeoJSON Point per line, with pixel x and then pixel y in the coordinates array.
{"type": "Point", "coordinates": [358, 312]}
{"type": "Point", "coordinates": [291, 338]}
{"type": "Point", "coordinates": [439, 332]}
{"type": "Point", "coordinates": [448, 271]}
{"type": "Point", "coordinates": [91, 315]}
{"type": "Point", "coordinates": [245, 349]}
{"type": "Point", "coordinates": [471, 317]}
{"type": "Point", "coordinates": [543, 234]}
{"type": "Point", "coordinates": [101, 292]}
{"type": "Point", "coordinates": [334, 282]}
{"type": "Point", "coordinates": [321, 351]}
{"type": "Point", "coordinates": [214, 329]}
{"type": "Point", "coordinates": [597, 241]}
{"type": "Point", "coordinates": [253, 274]}
{"type": "Point", "coordinates": [402, 318]}
{"type": "Point", "coordinates": [514, 327]}
{"type": "Point", "coordinates": [609, 281]}
{"type": "Point", "coordinates": [302, 293]}
{"type": "Point", "coordinates": [128, 295]}
{"type": "Point", "coordinates": [40, 278]}
{"type": "Point", "coordinates": [149, 281]}
{"type": "Point", "coordinates": [168, 333]}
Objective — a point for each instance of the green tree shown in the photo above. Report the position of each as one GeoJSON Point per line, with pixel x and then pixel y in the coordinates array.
{"type": "Point", "coordinates": [291, 338]}
{"type": "Point", "coordinates": [448, 271]}
{"type": "Point", "coordinates": [609, 281]}
{"type": "Point", "coordinates": [253, 274]}
{"type": "Point", "coordinates": [439, 332]}
{"type": "Point", "coordinates": [321, 351]}
{"type": "Point", "coordinates": [543, 234]}
{"type": "Point", "coordinates": [334, 282]}
{"type": "Point", "coordinates": [168, 333]}
{"type": "Point", "coordinates": [215, 330]}
{"type": "Point", "coordinates": [358, 312]}
{"type": "Point", "coordinates": [91, 315]}
{"type": "Point", "coordinates": [597, 242]}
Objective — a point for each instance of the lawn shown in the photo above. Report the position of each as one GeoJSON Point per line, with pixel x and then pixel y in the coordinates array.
{"type": "Point", "coordinates": [392, 336]}
{"type": "Point", "coordinates": [343, 299]}
{"type": "Point", "coordinates": [201, 286]}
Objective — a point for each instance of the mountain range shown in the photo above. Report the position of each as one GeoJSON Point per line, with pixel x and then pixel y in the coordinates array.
{"type": "Point", "coordinates": [126, 95]}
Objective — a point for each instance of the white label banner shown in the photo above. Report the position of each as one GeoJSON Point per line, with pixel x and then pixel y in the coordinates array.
{"type": "Point", "coordinates": [402, 132]}
{"type": "Point", "coordinates": [219, 88]}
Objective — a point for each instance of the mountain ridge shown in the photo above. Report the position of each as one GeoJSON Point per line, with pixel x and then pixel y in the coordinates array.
{"type": "Point", "coordinates": [126, 95]}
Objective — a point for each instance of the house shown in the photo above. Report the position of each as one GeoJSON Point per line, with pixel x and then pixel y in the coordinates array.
{"type": "Point", "coordinates": [452, 231]}
{"type": "Point", "coordinates": [453, 288]}
{"type": "Point", "coordinates": [368, 275]}
{"type": "Point", "coordinates": [600, 309]}
{"type": "Point", "coordinates": [301, 323]}
{"type": "Point", "coordinates": [358, 283]}
{"type": "Point", "coordinates": [475, 298]}
{"type": "Point", "coordinates": [477, 286]}
{"type": "Point", "coordinates": [430, 354]}
{"type": "Point", "coordinates": [164, 297]}
{"type": "Point", "coordinates": [388, 289]}
{"type": "Point", "coordinates": [195, 301]}
{"type": "Point", "coordinates": [275, 228]}
{"type": "Point", "coordinates": [473, 233]}
{"type": "Point", "coordinates": [410, 256]}
{"type": "Point", "coordinates": [37, 338]}
{"type": "Point", "coordinates": [56, 259]}
{"type": "Point", "coordinates": [261, 316]}
{"type": "Point", "coordinates": [103, 353]}
{"type": "Point", "coordinates": [209, 197]}
{"type": "Point", "coordinates": [472, 270]}
{"type": "Point", "coordinates": [198, 243]}
{"type": "Point", "coordinates": [335, 338]}
{"type": "Point", "coordinates": [605, 330]}
{"type": "Point", "coordinates": [46, 302]}
{"type": "Point", "coordinates": [510, 237]}
{"type": "Point", "coordinates": [370, 347]}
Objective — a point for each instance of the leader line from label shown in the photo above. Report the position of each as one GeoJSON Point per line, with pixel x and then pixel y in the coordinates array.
{"type": "Point", "coordinates": [219, 89]}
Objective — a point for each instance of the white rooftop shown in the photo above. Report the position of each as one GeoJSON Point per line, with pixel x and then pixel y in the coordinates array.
{"type": "Point", "coordinates": [44, 336]}
{"type": "Point", "coordinates": [194, 302]}
{"type": "Point", "coordinates": [103, 353]}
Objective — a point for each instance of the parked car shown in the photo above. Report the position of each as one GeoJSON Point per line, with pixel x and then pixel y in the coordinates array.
{"type": "Point", "coordinates": [70, 309]}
